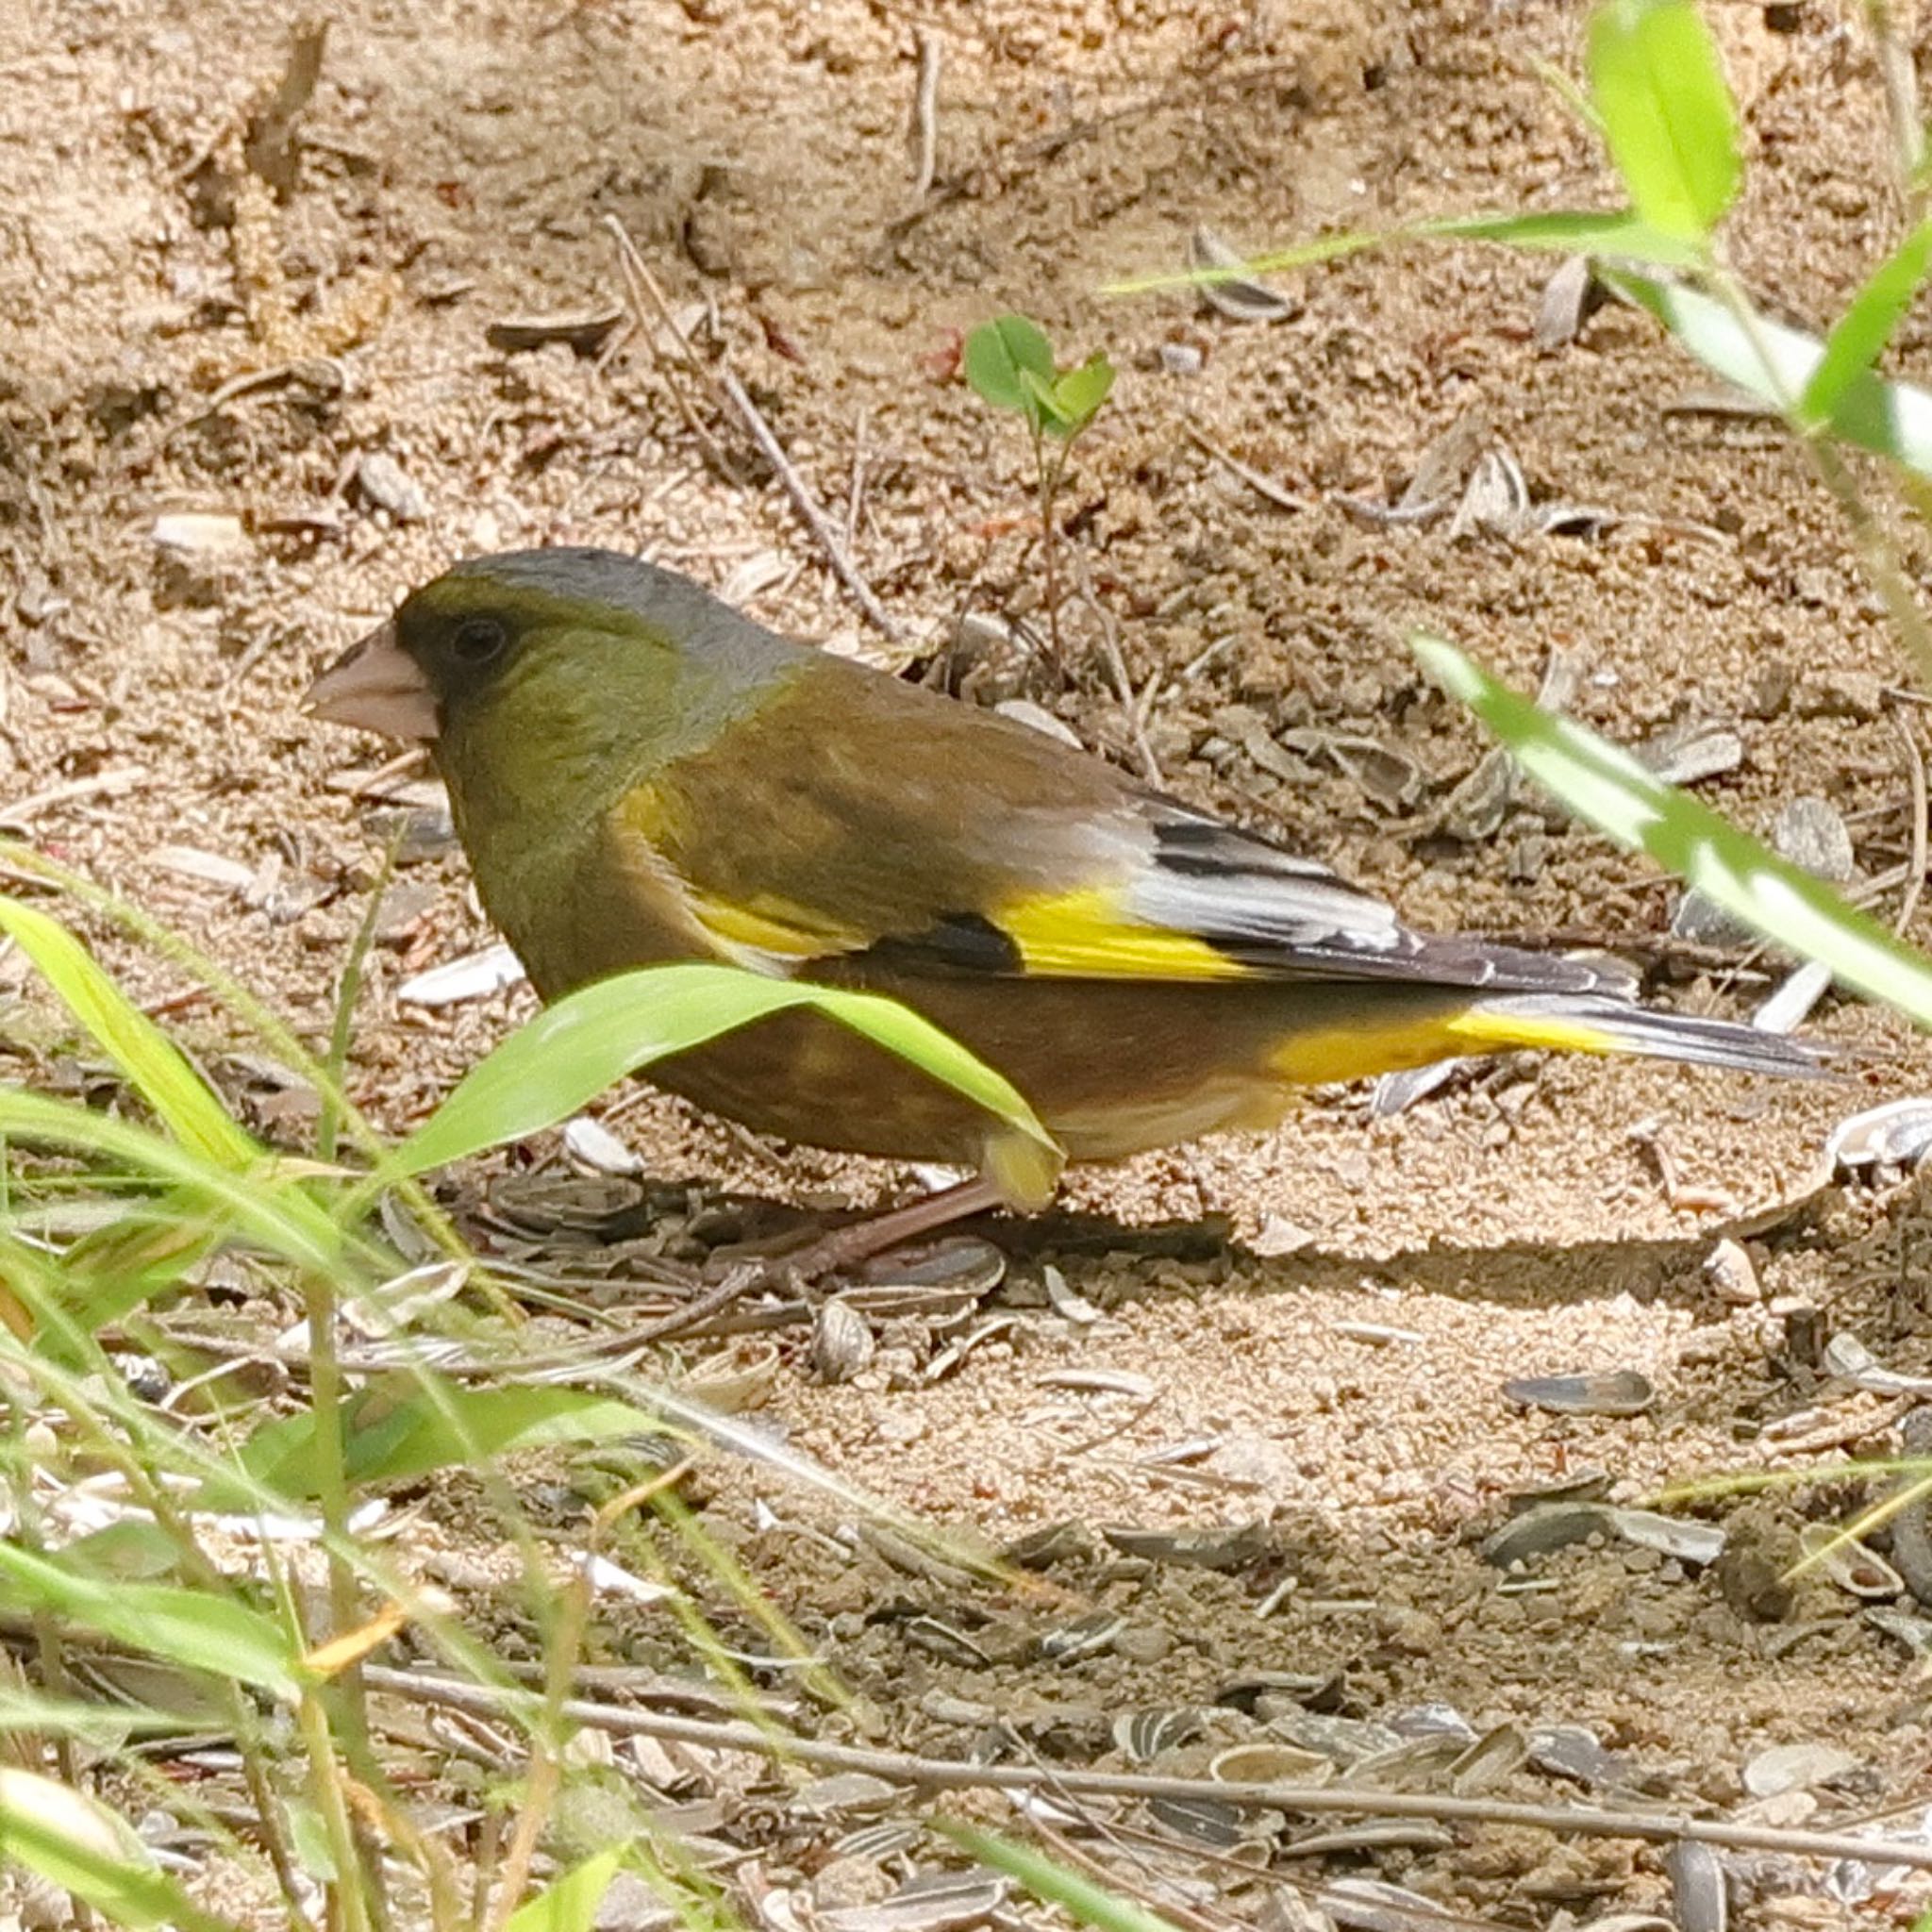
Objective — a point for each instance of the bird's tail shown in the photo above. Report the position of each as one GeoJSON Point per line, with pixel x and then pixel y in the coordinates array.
{"type": "Point", "coordinates": [1583, 1023]}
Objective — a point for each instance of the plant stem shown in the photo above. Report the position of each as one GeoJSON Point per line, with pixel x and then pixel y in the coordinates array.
{"type": "Point", "coordinates": [1048, 470]}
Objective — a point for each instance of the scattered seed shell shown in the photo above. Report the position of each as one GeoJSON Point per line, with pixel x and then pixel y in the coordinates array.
{"type": "Point", "coordinates": [191, 533]}
{"type": "Point", "coordinates": [1086, 1636]}
{"type": "Point", "coordinates": [1100, 1382]}
{"type": "Point", "coordinates": [932, 1902]}
{"type": "Point", "coordinates": [1264, 1762]}
{"type": "Point", "coordinates": [1732, 1275]}
{"type": "Point", "coordinates": [1692, 751]}
{"type": "Point", "coordinates": [1238, 298]}
{"type": "Point", "coordinates": [1894, 1135]}
{"type": "Point", "coordinates": [1373, 1905]}
{"type": "Point", "coordinates": [1566, 302]}
{"type": "Point", "coordinates": [1221, 1547]}
{"type": "Point", "coordinates": [1066, 1304]}
{"type": "Point", "coordinates": [1143, 1735]}
{"type": "Point", "coordinates": [1795, 1768]}
{"type": "Point", "coordinates": [1698, 1891]}
{"type": "Point", "coordinates": [1848, 1359]}
{"type": "Point", "coordinates": [1670, 1536]}
{"type": "Point", "coordinates": [1206, 1821]}
{"type": "Point", "coordinates": [842, 1342]}
{"type": "Point", "coordinates": [592, 1144]}
{"type": "Point", "coordinates": [1489, 1761]}
{"type": "Point", "coordinates": [1371, 1835]}
{"type": "Point", "coordinates": [1857, 1570]}
{"type": "Point", "coordinates": [583, 332]}
{"type": "Point", "coordinates": [1610, 1392]}
{"type": "Point", "coordinates": [1573, 1486]}
{"type": "Point", "coordinates": [1574, 1752]}
{"type": "Point", "coordinates": [474, 976]}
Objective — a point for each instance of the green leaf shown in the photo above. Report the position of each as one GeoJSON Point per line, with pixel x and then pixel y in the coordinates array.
{"type": "Point", "coordinates": [189, 1627]}
{"type": "Point", "coordinates": [1075, 1894]}
{"type": "Point", "coordinates": [571, 1904]}
{"type": "Point", "coordinates": [1668, 117]}
{"type": "Point", "coordinates": [573, 1050]}
{"type": "Point", "coordinates": [392, 1431]}
{"type": "Point", "coordinates": [1078, 394]}
{"type": "Point", "coordinates": [999, 356]}
{"type": "Point", "coordinates": [1043, 405]}
{"type": "Point", "coordinates": [1621, 798]}
{"type": "Point", "coordinates": [1776, 365]}
{"type": "Point", "coordinates": [88, 1851]}
{"type": "Point", "coordinates": [1619, 235]}
{"type": "Point", "coordinates": [1858, 336]}
{"type": "Point", "coordinates": [151, 1063]}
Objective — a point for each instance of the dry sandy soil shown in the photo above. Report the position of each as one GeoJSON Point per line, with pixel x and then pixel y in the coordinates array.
{"type": "Point", "coordinates": [178, 338]}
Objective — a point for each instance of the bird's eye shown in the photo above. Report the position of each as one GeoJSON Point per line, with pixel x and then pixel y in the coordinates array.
{"type": "Point", "coordinates": [478, 640]}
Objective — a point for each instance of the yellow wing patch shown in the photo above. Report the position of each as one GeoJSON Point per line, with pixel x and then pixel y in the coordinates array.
{"type": "Point", "coordinates": [771, 926]}
{"type": "Point", "coordinates": [1082, 936]}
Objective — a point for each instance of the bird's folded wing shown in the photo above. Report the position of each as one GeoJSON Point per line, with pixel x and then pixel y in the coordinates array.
{"type": "Point", "coordinates": [1001, 854]}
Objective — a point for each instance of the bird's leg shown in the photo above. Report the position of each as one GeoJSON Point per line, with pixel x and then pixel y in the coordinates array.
{"type": "Point", "coordinates": [844, 1247]}
{"type": "Point", "coordinates": [860, 1241]}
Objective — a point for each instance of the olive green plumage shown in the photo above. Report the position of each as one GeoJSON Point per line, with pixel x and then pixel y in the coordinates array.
{"type": "Point", "coordinates": [639, 774]}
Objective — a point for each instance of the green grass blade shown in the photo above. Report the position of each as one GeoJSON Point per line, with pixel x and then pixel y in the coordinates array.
{"type": "Point", "coordinates": [1777, 364]}
{"type": "Point", "coordinates": [88, 1851]}
{"type": "Point", "coordinates": [391, 1434]}
{"type": "Point", "coordinates": [571, 1904]}
{"type": "Point", "coordinates": [150, 1063]}
{"type": "Point", "coordinates": [1667, 114]}
{"type": "Point", "coordinates": [1079, 1898]}
{"type": "Point", "coordinates": [1618, 234]}
{"type": "Point", "coordinates": [187, 1627]}
{"type": "Point", "coordinates": [1609, 789]}
{"type": "Point", "coordinates": [1858, 336]}
{"type": "Point", "coordinates": [574, 1050]}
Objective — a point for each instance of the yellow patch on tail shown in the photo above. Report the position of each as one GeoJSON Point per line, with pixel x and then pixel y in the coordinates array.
{"type": "Point", "coordinates": [1360, 1053]}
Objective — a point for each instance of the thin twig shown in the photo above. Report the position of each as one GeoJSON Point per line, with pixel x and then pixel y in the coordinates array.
{"type": "Point", "coordinates": [944, 1774]}
{"type": "Point", "coordinates": [1262, 485]}
{"type": "Point", "coordinates": [807, 508]}
{"type": "Point", "coordinates": [1897, 74]}
{"type": "Point", "coordinates": [926, 116]}
{"type": "Point", "coordinates": [19, 816]}
{"type": "Point", "coordinates": [644, 294]}
{"type": "Point", "coordinates": [855, 492]}
{"type": "Point", "coordinates": [1915, 883]}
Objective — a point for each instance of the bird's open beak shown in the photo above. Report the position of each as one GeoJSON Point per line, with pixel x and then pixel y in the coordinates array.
{"type": "Point", "coordinates": [376, 686]}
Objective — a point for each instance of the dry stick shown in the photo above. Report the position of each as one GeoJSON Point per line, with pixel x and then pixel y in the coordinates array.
{"type": "Point", "coordinates": [943, 1774]}
{"type": "Point", "coordinates": [1899, 77]}
{"type": "Point", "coordinates": [642, 293]}
{"type": "Point", "coordinates": [855, 493]}
{"type": "Point", "coordinates": [807, 506]}
{"type": "Point", "coordinates": [1916, 883]}
{"type": "Point", "coordinates": [926, 119]}
{"type": "Point", "coordinates": [1262, 485]}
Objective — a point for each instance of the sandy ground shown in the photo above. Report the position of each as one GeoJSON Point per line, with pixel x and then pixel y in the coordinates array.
{"type": "Point", "coordinates": [179, 338]}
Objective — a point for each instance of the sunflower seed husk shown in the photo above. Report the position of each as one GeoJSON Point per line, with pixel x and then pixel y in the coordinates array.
{"type": "Point", "coordinates": [1086, 1636]}
{"type": "Point", "coordinates": [1689, 752]}
{"type": "Point", "coordinates": [1489, 1761]}
{"type": "Point", "coordinates": [1414, 1763]}
{"type": "Point", "coordinates": [473, 977]}
{"type": "Point", "coordinates": [932, 1902]}
{"type": "Point", "coordinates": [1671, 1536]}
{"type": "Point", "coordinates": [1732, 1275]}
{"type": "Point", "coordinates": [1263, 1762]}
{"type": "Point", "coordinates": [1894, 1135]}
{"type": "Point", "coordinates": [845, 1791]}
{"type": "Point", "coordinates": [1848, 1359]}
{"type": "Point", "coordinates": [1573, 1486]}
{"type": "Point", "coordinates": [1247, 1694]}
{"type": "Point", "coordinates": [842, 1342]}
{"type": "Point", "coordinates": [941, 1641]}
{"type": "Point", "coordinates": [584, 331]}
{"type": "Point", "coordinates": [1574, 1752]}
{"type": "Point", "coordinates": [1612, 1392]}
{"type": "Point", "coordinates": [1207, 1820]}
{"type": "Point", "coordinates": [1698, 1891]}
{"type": "Point", "coordinates": [1219, 1548]}
{"type": "Point", "coordinates": [1902, 1626]}
{"type": "Point", "coordinates": [1239, 299]}
{"type": "Point", "coordinates": [1069, 1541]}
{"type": "Point", "coordinates": [1100, 1382]}
{"type": "Point", "coordinates": [1373, 1834]}
{"type": "Point", "coordinates": [1795, 1768]}
{"type": "Point", "coordinates": [1066, 1304]}
{"type": "Point", "coordinates": [1567, 299]}
{"type": "Point", "coordinates": [1856, 1571]}
{"type": "Point", "coordinates": [1372, 1904]}
{"type": "Point", "coordinates": [1143, 1735]}
{"type": "Point", "coordinates": [592, 1144]}
{"type": "Point", "coordinates": [1494, 501]}
{"type": "Point", "coordinates": [1346, 1740]}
